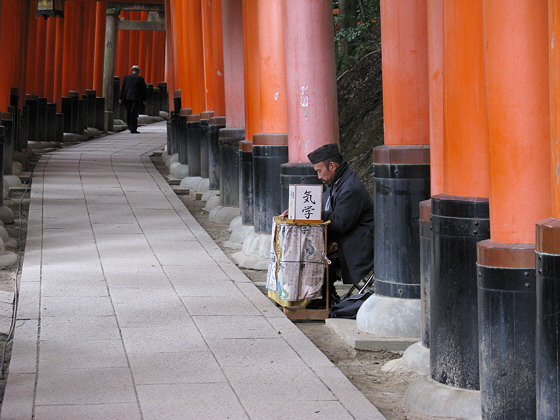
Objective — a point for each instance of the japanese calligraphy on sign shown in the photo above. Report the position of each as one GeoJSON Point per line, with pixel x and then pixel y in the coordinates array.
{"type": "Point", "coordinates": [305, 202]}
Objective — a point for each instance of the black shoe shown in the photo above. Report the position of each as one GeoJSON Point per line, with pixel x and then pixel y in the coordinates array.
{"type": "Point", "coordinates": [135, 132]}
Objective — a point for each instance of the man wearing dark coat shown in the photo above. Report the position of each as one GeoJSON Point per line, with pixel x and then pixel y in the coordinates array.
{"type": "Point", "coordinates": [349, 207]}
{"type": "Point", "coordinates": [133, 93]}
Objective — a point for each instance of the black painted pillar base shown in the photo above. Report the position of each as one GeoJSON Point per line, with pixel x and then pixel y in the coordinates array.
{"type": "Point", "coordinates": [164, 97]}
{"type": "Point", "coordinates": [402, 180]}
{"type": "Point", "coordinates": [24, 128]}
{"type": "Point", "coordinates": [270, 152]}
{"type": "Point", "coordinates": [32, 101]}
{"type": "Point", "coordinates": [193, 144]}
{"type": "Point", "coordinates": [89, 99]}
{"type": "Point", "coordinates": [60, 126]}
{"type": "Point", "coordinates": [100, 113]}
{"type": "Point", "coordinates": [458, 223]}
{"type": "Point", "coordinates": [295, 173]}
{"type": "Point", "coordinates": [425, 227]}
{"type": "Point", "coordinates": [6, 119]}
{"type": "Point", "coordinates": [182, 148]}
{"type": "Point", "coordinates": [169, 131]}
{"type": "Point", "coordinates": [14, 109]}
{"type": "Point", "coordinates": [74, 112]}
{"type": "Point", "coordinates": [51, 122]}
{"type": "Point", "coordinates": [42, 123]}
{"type": "Point", "coordinates": [214, 166]}
{"type": "Point", "coordinates": [66, 106]}
{"type": "Point", "coordinates": [246, 186]}
{"type": "Point", "coordinates": [146, 109]}
{"type": "Point", "coordinates": [229, 139]}
{"type": "Point", "coordinates": [156, 100]}
{"type": "Point", "coordinates": [506, 324]}
{"type": "Point", "coordinates": [548, 319]}
{"type": "Point", "coordinates": [204, 138]}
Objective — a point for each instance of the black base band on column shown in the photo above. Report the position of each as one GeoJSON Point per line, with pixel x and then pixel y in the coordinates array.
{"type": "Point", "coordinates": [246, 202]}
{"type": "Point", "coordinates": [267, 160]}
{"type": "Point", "coordinates": [193, 147]}
{"type": "Point", "coordinates": [399, 189]}
{"type": "Point", "coordinates": [458, 223]}
{"type": "Point", "coordinates": [425, 230]}
{"type": "Point", "coordinates": [548, 336]}
{"type": "Point", "coordinates": [506, 322]}
{"type": "Point", "coordinates": [182, 140]}
{"type": "Point", "coordinates": [214, 168]}
{"type": "Point", "coordinates": [229, 162]}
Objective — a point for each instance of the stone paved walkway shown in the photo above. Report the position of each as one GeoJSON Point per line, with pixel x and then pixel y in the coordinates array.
{"type": "Point", "coordinates": [129, 310]}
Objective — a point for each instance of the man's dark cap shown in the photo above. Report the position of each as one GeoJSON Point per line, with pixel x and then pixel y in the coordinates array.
{"type": "Point", "coordinates": [328, 151]}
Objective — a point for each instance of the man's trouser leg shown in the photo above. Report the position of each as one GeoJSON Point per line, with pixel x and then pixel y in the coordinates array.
{"type": "Point", "coordinates": [134, 116]}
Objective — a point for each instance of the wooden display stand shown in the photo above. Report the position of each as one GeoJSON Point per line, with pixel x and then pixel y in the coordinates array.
{"type": "Point", "coordinates": [299, 313]}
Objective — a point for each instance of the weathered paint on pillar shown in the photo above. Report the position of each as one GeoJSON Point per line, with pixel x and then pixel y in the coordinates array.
{"type": "Point", "coordinates": [405, 72]}
{"type": "Point", "coordinates": [7, 26]}
{"type": "Point", "coordinates": [182, 54]}
{"type": "Point", "coordinates": [213, 56]}
{"type": "Point", "coordinates": [465, 162]}
{"type": "Point", "coordinates": [252, 69]}
{"type": "Point", "coordinates": [142, 43]}
{"type": "Point", "coordinates": [170, 54]}
{"type": "Point", "coordinates": [67, 64]}
{"type": "Point", "coordinates": [31, 51]}
{"type": "Point", "coordinates": [99, 46]}
{"type": "Point", "coordinates": [435, 86]}
{"type": "Point", "coordinates": [195, 50]}
{"type": "Point", "coordinates": [110, 49]}
{"type": "Point", "coordinates": [48, 90]}
{"type": "Point", "coordinates": [133, 42]}
{"type": "Point", "coordinates": [40, 48]}
{"type": "Point", "coordinates": [272, 64]}
{"type": "Point", "coordinates": [311, 77]}
{"type": "Point", "coordinates": [58, 61]}
{"type": "Point", "coordinates": [232, 21]}
{"type": "Point", "coordinates": [518, 119]}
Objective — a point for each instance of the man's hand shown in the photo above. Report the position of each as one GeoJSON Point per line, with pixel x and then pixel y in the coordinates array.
{"type": "Point", "coordinates": [145, 102]}
{"type": "Point", "coordinates": [120, 101]}
{"type": "Point", "coordinates": [284, 214]}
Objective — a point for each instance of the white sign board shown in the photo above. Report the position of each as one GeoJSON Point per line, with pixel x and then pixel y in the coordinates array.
{"type": "Point", "coordinates": [305, 202]}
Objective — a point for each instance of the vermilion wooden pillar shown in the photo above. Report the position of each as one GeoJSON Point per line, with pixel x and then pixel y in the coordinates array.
{"type": "Point", "coordinates": [89, 52]}
{"type": "Point", "coordinates": [99, 46]}
{"type": "Point", "coordinates": [142, 44]}
{"type": "Point", "coordinates": [232, 22]}
{"type": "Point", "coordinates": [58, 61]}
{"type": "Point", "coordinates": [311, 88]}
{"type": "Point", "coordinates": [252, 77]}
{"type": "Point", "coordinates": [133, 46]}
{"type": "Point", "coordinates": [40, 49]}
{"type": "Point", "coordinates": [31, 53]}
{"type": "Point", "coordinates": [170, 50]}
{"type": "Point", "coordinates": [435, 77]}
{"type": "Point", "coordinates": [48, 66]}
{"type": "Point", "coordinates": [270, 146]}
{"type": "Point", "coordinates": [213, 56]}
{"type": "Point", "coordinates": [516, 54]}
{"type": "Point", "coordinates": [67, 64]}
{"type": "Point", "coordinates": [182, 53]}
{"type": "Point", "coordinates": [7, 32]}
{"type": "Point", "coordinates": [402, 172]}
{"type": "Point", "coordinates": [195, 54]}
{"type": "Point", "coordinates": [460, 214]}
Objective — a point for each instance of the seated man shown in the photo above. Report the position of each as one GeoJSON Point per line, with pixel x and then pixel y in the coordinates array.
{"type": "Point", "coordinates": [349, 207]}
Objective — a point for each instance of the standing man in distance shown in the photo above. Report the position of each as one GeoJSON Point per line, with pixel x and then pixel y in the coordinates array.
{"type": "Point", "coordinates": [133, 93]}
